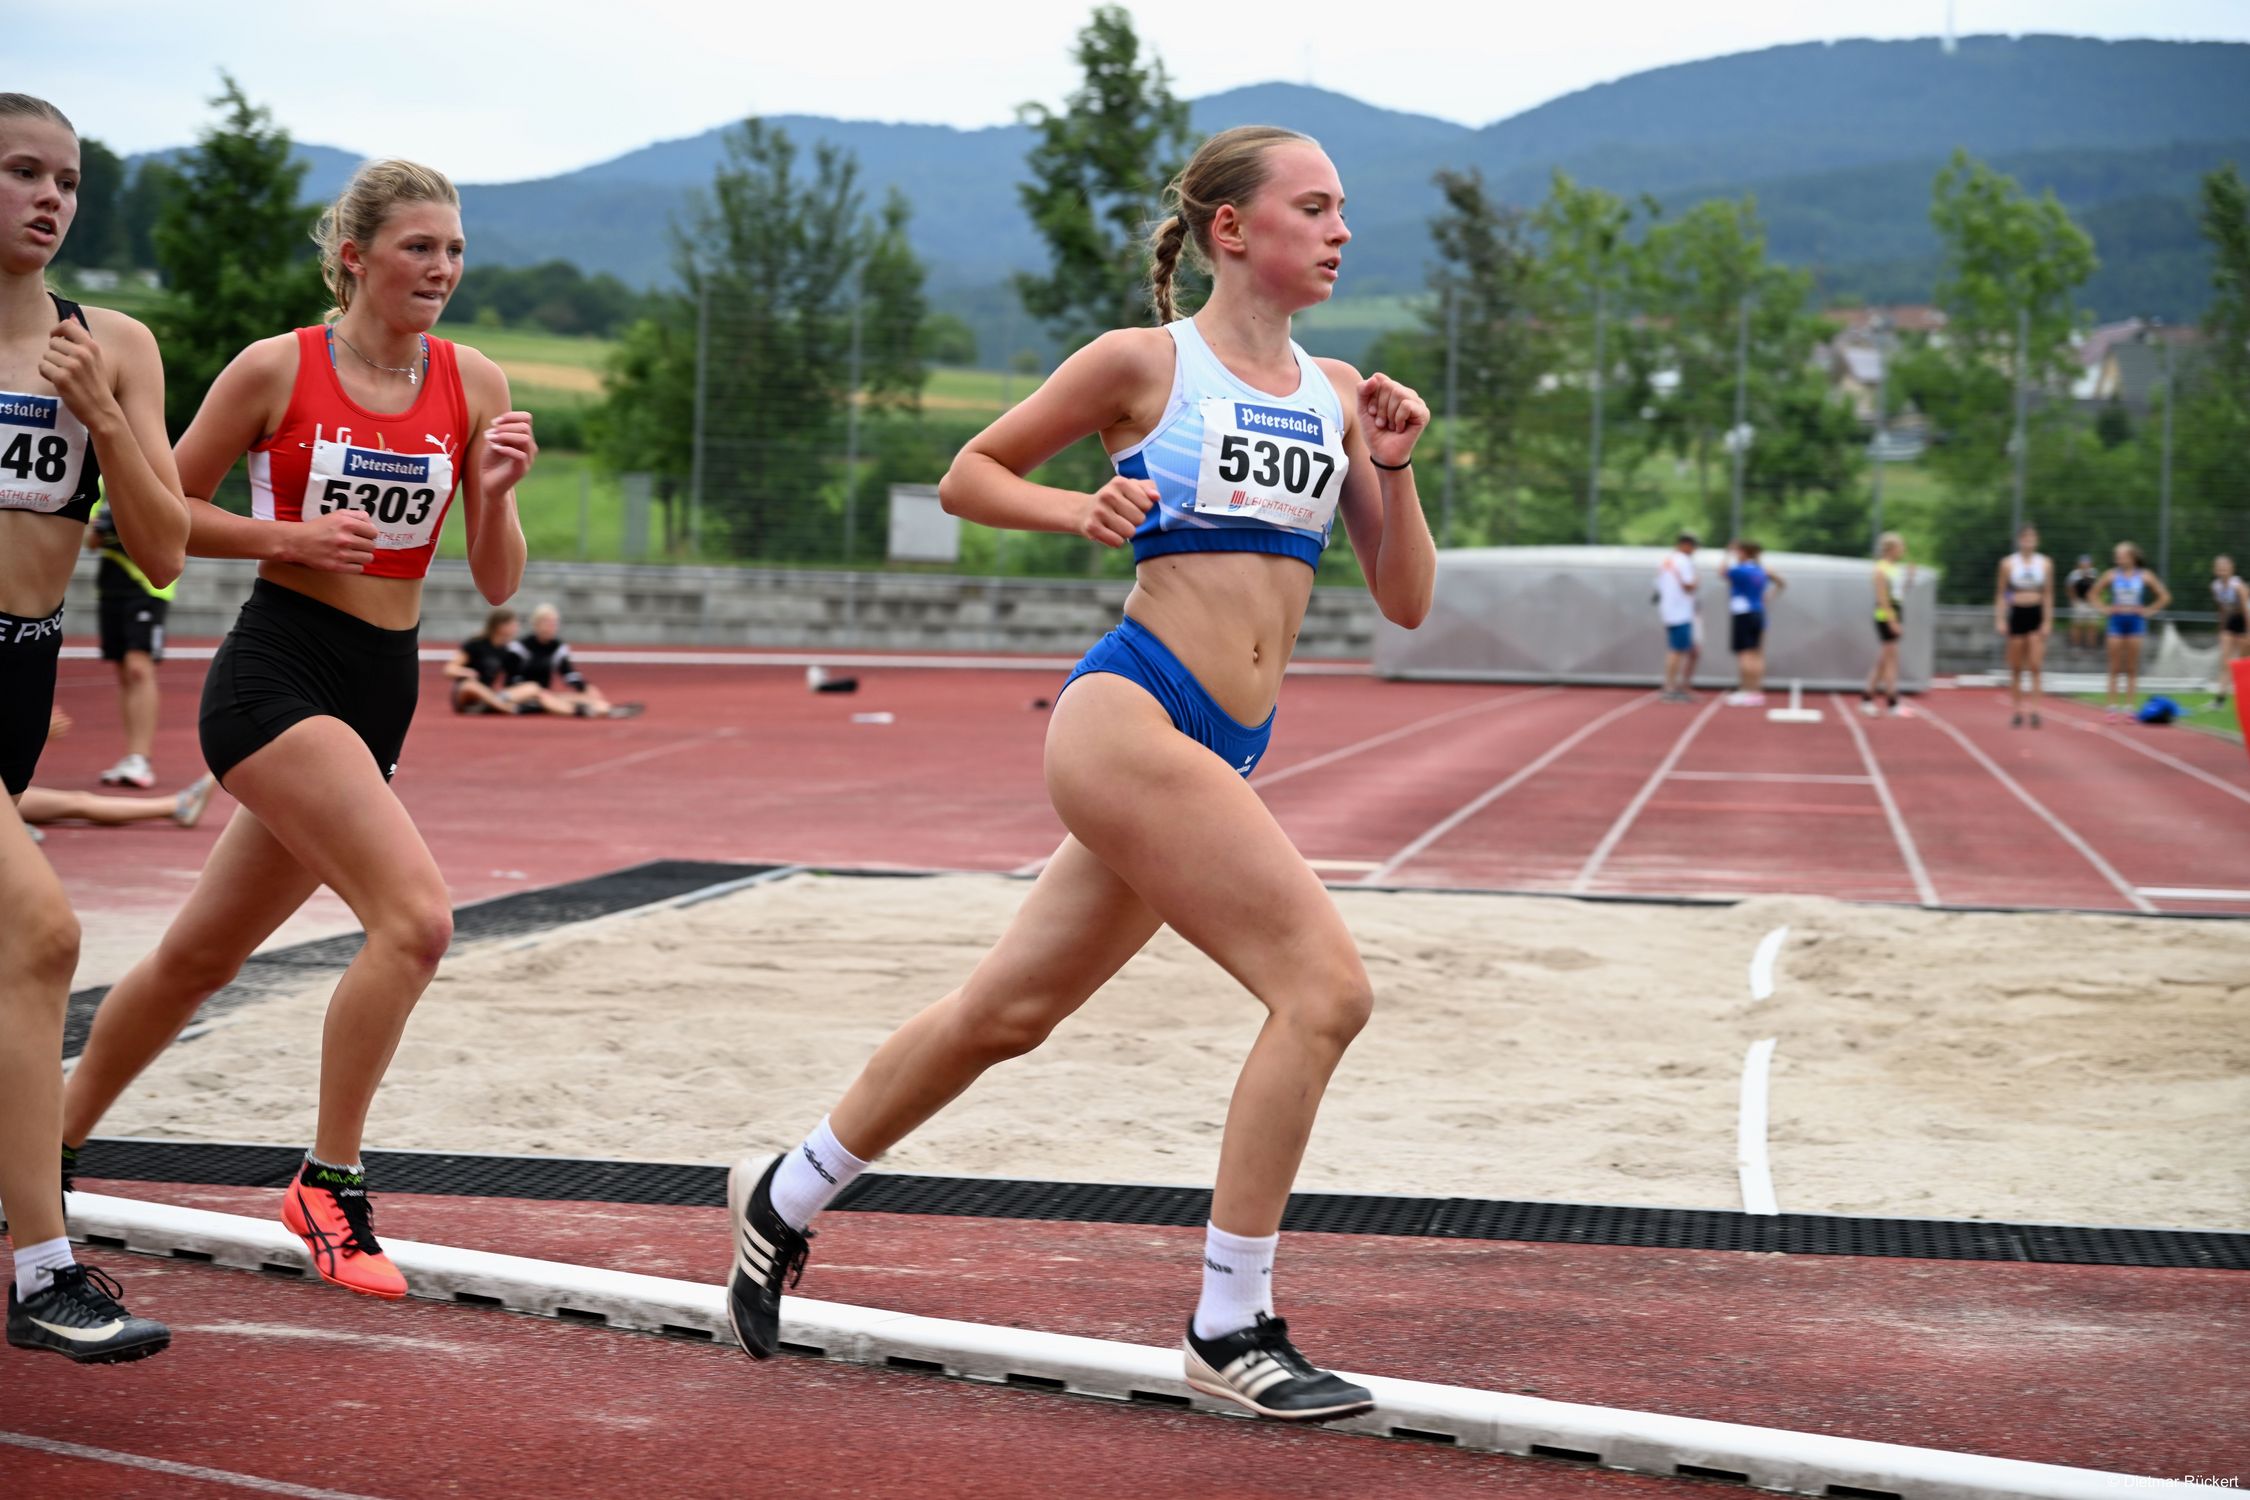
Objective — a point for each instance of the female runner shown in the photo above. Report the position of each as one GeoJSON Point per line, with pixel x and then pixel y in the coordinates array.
{"type": "Point", "coordinates": [2230, 596]}
{"type": "Point", "coordinates": [2023, 611]}
{"type": "Point", "coordinates": [1892, 576]}
{"type": "Point", "coordinates": [81, 401]}
{"type": "Point", "coordinates": [1234, 451]}
{"type": "Point", "coordinates": [357, 432]}
{"type": "Point", "coordinates": [2134, 593]}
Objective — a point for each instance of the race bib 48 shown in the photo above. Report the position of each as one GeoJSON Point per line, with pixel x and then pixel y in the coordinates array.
{"type": "Point", "coordinates": [1274, 464]}
{"type": "Point", "coordinates": [42, 452]}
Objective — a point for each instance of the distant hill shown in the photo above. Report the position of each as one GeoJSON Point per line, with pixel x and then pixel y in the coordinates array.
{"type": "Point", "coordinates": [1838, 141]}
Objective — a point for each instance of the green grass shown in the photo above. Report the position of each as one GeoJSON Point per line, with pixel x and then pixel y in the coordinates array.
{"type": "Point", "coordinates": [547, 501]}
{"type": "Point", "coordinates": [2202, 713]}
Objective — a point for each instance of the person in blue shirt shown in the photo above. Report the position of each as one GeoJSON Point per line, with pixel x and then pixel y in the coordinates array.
{"type": "Point", "coordinates": [1749, 582]}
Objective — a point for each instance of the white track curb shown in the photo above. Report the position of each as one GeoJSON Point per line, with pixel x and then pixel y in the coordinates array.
{"type": "Point", "coordinates": [1644, 1442]}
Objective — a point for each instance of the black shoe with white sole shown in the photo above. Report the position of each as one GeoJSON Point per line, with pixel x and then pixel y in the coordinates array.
{"type": "Point", "coordinates": [768, 1255]}
{"type": "Point", "coordinates": [1260, 1369]}
{"type": "Point", "coordinates": [79, 1317]}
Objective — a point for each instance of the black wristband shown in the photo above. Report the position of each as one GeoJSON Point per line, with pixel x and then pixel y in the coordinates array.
{"type": "Point", "coordinates": [1389, 468]}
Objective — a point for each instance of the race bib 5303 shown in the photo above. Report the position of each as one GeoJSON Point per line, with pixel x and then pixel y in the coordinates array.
{"type": "Point", "coordinates": [42, 452]}
{"type": "Point", "coordinates": [404, 494]}
{"type": "Point", "coordinates": [1274, 464]}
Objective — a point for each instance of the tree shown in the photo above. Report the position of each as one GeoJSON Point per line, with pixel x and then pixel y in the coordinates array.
{"type": "Point", "coordinates": [772, 258]}
{"type": "Point", "coordinates": [233, 244]}
{"type": "Point", "coordinates": [1588, 263]}
{"type": "Point", "coordinates": [647, 423]}
{"type": "Point", "coordinates": [97, 235]}
{"type": "Point", "coordinates": [1484, 282]}
{"type": "Point", "coordinates": [2011, 263]}
{"type": "Point", "coordinates": [1699, 272]}
{"type": "Point", "coordinates": [947, 339]}
{"type": "Point", "coordinates": [1099, 167]}
{"type": "Point", "coordinates": [2225, 218]}
{"type": "Point", "coordinates": [893, 309]}
{"type": "Point", "coordinates": [142, 208]}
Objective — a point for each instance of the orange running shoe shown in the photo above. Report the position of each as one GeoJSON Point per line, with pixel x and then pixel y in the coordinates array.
{"type": "Point", "coordinates": [329, 1211]}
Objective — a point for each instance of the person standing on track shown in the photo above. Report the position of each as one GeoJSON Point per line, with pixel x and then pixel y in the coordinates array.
{"type": "Point", "coordinates": [358, 431]}
{"type": "Point", "coordinates": [1675, 607]}
{"type": "Point", "coordinates": [2230, 596]}
{"type": "Point", "coordinates": [132, 610]}
{"type": "Point", "coordinates": [1748, 583]}
{"type": "Point", "coordinates": [1893, 575]}
{"type": "Point", "coordinates": [81, 401]}
{"type": "Point", "coordinates": [1235, 451]}
{"type": "Point", "coordinates": [2085, 619]}
{"type": "Point", "coordinates": [2134, 594]}
{"type": "Point", "coordinates": [2023, 612]}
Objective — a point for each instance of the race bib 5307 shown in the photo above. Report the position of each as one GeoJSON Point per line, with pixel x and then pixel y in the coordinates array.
{"type": "Point", "coordinates": [404, 494]}
{"type": "Point", "coordinates": [1275, 464]}
{"type": "Point", "coordinates": [42, 452]}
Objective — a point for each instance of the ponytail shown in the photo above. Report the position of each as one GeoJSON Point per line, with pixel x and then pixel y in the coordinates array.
{"type": "Point", "coordinates": [1165, 248]}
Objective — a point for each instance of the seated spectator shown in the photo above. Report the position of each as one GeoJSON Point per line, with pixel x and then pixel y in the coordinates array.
{"type": "Point", "coordinates": [542, 660]}
{"type": "Point", "coordinates": [481, 670]}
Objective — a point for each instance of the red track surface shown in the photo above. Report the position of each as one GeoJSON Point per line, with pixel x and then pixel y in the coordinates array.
{"type": "Point", "coordinates": [743, 763]}
{"type": "Point", "coordinates": [2129, 1370]}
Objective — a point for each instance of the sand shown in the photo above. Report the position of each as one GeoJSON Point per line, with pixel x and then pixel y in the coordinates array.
{"type": "Point", "coordinates": [2033, 1067]}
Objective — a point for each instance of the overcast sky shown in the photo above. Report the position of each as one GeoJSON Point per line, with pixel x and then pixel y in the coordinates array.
{"type": "Point", "coordinates": [499, 90]}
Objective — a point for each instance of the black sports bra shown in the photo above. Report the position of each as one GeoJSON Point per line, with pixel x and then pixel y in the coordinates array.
{"type": "Point", "coordinates": [47, 462]}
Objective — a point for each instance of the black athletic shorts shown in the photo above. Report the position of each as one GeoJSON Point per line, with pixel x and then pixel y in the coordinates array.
{"type": "Point", "coordinates": [29, 650]}
{"type": "Point", "coordinates": [1748, 630]}
{"type": "Point", "coordinates": [2025, 619]}
{"type": "Point", "coordinates": [1887, 630]}
{"type": "Point", "coordinates": [133, 624]}
{"type": "Point", "coordinates": [290, 658]}
{"type": "Point", "coordinates": [2235, 625]}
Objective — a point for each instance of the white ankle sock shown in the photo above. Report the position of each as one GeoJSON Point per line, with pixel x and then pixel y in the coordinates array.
{"type": "Point", "coordinates": [811, 1176]}
{"type": "Point", "coordinates": [1237, 1281]}
{"type": "Point", "coordinates": [36, 1265]}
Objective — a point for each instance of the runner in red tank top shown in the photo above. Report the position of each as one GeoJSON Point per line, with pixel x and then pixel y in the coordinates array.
{"type": "Point", "coordinates": [358, 434]}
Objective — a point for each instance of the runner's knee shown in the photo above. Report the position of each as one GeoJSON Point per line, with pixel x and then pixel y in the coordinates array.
{"type": "Point", "coordinates": [997, 1030]}
{"type": "Point", "coordinates": [419, 929]}
{"type": "Point", "coordinates": [1334, 1008]}
{"type": "Point", "coordinates": [44, 946]}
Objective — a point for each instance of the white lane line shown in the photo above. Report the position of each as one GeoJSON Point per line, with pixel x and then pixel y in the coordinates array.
{"type": "Point", "coordinates": [1499, 701]}
{"type": "Point", "coordinates": [1814, 778]}
{"type": "Point", "coordinates": [1924, 891]}
{"type": "Point", "coordinates": [1616, 834]}
{"type": "Point", "coordinates": [1750, 1134]}
{"type": "Point", "coordinates": [1030, 867]}
{"type": "Point", "coordinates": [2108, 872]}
{"type": "Point", "coordinates": [1490, 795]}
{"type": "Point", "coordinates": [1492, 1421]}
{"type": "Point", "coordinates": [1346, 866]}
{"type": "Point", "coordinates": [174, 1470]}
{"type": "Point", "coordinates": [634, 759]}
{"type": "Point", "coordinates": [2173, 761]}
{"type": "Point", "coordinates": [2191, 893]}
{"type": "Point", "coordinates": [1762, 961]}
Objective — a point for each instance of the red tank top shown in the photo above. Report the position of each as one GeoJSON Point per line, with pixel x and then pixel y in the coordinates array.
{"type": "Point", "coordinates": [400, 469]}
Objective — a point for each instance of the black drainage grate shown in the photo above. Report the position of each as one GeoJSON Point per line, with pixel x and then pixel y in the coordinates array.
{"type": "Point", "coordinates": [683, 1185]}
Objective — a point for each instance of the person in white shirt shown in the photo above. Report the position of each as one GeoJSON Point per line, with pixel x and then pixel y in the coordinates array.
{"type": "Point", "coordinates": [1675, 606]}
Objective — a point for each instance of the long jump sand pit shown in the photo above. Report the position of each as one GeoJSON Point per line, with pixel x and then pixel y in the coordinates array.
{"type": "Point", "coordinates": [2060, 1068]}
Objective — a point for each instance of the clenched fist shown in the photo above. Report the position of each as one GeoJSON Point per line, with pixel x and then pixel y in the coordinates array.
{"type": "Point", "coordinates": [1113, 511]}
{"type": "Point", "coordinates": [1392, 417]}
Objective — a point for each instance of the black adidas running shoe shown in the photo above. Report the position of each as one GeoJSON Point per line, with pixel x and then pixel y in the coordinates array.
{"type": "Point", "coordinates": [768, 1255]}
{"type": "Point", "coordinates": [1260, 1369]}
{"type": "Point", "coordinates": [79, 1317]}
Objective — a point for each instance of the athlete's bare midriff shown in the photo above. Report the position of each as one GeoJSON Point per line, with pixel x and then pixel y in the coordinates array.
{"type": "Point", "coordinates": [386, 603]}
{"type": "Point", "coordinates": [36, 555]}
{"type": "Point", "coordinates": [1230, 617]}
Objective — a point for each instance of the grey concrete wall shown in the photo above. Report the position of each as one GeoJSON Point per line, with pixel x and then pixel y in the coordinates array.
{"type": "Point", "coordinates": [623, 603]}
